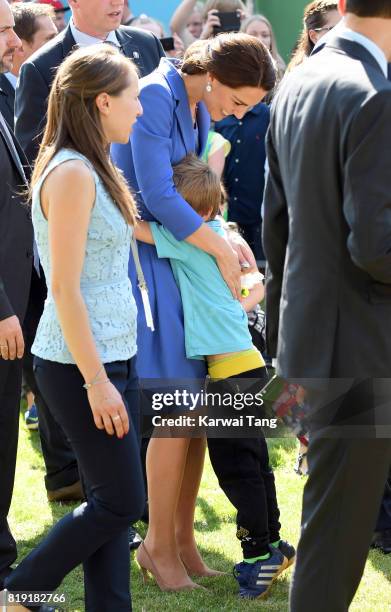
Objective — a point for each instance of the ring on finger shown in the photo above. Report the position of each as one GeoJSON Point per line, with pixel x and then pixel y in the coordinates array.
{"type": "Point", "coordinates": [4, 346]}
{"type": "Point", "coordinates": [116, 417]}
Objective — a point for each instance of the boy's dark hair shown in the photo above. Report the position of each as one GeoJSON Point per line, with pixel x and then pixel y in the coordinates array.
{"type": "Point", "coordinates": [199, 186]}
{"type": "Point", "coordinates": [369, 8]}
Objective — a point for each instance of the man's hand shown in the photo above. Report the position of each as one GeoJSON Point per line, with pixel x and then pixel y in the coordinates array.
{"type": "Point", "coordinates": [11, 338]}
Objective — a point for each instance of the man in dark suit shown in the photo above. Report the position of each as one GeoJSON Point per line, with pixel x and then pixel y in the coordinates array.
{"type": "Point", "coordinates": [16, 257]}
{"type": "Point", "coordinates": [7, 100]}
{"type": "Point", "coordinates": [92, 22]}
{"type": "Point", "coordinates": [382, 535]}
{"type": "Point", "coordinates": [327, 239]}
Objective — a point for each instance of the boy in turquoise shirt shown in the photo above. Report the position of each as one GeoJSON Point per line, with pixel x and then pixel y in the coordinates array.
{"type": "Point", "coordinates": [216, 328]}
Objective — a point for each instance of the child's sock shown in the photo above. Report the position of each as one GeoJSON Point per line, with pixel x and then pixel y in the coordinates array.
{"type": "Point", "coordinates": [255, 559]}
{"type": "Point", "coordinates": [275, 544]}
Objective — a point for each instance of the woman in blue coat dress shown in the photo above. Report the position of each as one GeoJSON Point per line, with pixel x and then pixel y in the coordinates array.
{"type": "Point", "coordinates": [219, 77]}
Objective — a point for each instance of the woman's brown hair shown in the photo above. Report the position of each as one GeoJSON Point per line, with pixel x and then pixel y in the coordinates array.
{"type": "Point", "coordinates": [314, 18]}
{"type": "Point", "coordinates": [74, 119]}
{"type": "Point", "coordinates": [236, 60]}
{"type": "Point", "coordinates": [199, 185]}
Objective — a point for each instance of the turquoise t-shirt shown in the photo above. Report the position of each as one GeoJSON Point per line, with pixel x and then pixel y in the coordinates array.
{"type": "Point", "coordinates": [214, 321]}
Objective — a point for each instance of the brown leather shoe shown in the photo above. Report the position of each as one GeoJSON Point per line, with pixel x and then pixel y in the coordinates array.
{"type": "Point", "coordinates": [71, 493]}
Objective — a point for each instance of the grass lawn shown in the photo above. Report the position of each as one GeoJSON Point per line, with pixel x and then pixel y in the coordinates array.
{"type": "Point", "coordinates": [31, 516]}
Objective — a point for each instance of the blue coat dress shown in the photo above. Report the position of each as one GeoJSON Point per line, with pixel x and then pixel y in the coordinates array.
{"type": "Point", "coordinates": [162, 137]}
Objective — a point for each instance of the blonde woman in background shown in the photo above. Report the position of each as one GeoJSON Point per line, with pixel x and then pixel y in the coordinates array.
{"type": "Point", "coordinates": [260, 27]}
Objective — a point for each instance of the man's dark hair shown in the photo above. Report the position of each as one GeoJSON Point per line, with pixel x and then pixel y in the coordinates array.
{"type": "Point", "coordinates": [369, 8]}
{"type": "Point", "coordinates": [26, 15]}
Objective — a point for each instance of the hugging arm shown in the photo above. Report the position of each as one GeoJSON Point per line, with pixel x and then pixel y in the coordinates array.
{"type": "Point", "coordinates": [142, 232]}
{"type": "Point", "coordinates": [151, 147]}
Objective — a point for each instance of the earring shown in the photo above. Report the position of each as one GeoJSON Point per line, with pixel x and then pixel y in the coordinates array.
{"type": "Point", "coordinates": [208, 88]}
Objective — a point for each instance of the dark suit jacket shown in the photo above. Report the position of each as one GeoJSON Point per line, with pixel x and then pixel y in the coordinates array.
{"type": "Point", "coordinates": [327, 223]}
{"type": "Point", "coordinates": [36, 77]}
{"type": "Point", "coordinates": [16, 235]}
{"type": "Point", "coordinates": [7, 100]}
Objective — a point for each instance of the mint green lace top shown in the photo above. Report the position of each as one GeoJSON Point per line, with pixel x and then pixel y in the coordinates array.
{"type": "Point", "coordinates": [104, 281]}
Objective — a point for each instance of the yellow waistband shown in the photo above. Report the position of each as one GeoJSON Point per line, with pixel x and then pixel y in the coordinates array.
{"type": "Point", "coordinates": [236, 364]}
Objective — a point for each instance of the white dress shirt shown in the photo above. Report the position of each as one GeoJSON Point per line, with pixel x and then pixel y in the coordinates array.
{"type": "Point", "coordinates": [85, 40]}
{"type": "Point", "coordinates": [369, 45]}
{"type": "Point", "coordinates": [11, 78]}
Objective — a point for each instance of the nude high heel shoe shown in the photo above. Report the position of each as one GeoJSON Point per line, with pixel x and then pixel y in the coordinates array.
{"type": "Point", "coordinates": [147, 567]}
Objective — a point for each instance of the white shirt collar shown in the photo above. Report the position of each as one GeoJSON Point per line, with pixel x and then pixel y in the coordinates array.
{"type": "Point", "coordinates": [369, 45]}
{"type": "Point", "coordinates": [344, 32]}
{"type": "Point", "coordinates": [12, 79]}
{"type": "Point", "coordinates": [84, 40]}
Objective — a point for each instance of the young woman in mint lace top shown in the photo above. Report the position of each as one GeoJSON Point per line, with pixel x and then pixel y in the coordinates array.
{"type": "Point", "coordinates": [85, 345]}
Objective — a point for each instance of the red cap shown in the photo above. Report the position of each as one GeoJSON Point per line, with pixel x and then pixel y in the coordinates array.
{"type": "Point", "coordinates": [56, 4]}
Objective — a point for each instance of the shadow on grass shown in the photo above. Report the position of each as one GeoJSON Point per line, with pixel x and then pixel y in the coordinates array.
{"type": "Point", "coordinates": [58, 511]}
{"type": "Point", "coordinates": [35, 442]}
{"type": "Point", "coordinates": [280, 450]}
{"type": "Point", "coordinates": [211, 520]}
{"type": "Point", "coordinates": [72, 586]}
{"type": "Point", "coordinates": [381, 563]}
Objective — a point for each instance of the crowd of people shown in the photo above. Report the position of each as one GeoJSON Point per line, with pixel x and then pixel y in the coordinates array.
{"type": "Point", "coordinates": [140, 203]}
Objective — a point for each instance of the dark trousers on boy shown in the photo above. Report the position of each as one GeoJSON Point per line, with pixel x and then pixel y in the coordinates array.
{"type": "Point", "coordinates": [244, 474]}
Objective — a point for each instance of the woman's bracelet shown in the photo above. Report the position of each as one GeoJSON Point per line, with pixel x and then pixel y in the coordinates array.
{"type": "Point", "coordinates": [95, 380]}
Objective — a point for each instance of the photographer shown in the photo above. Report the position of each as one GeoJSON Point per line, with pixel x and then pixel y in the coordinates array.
{"type": "Point", "coordinates": [211, 18]}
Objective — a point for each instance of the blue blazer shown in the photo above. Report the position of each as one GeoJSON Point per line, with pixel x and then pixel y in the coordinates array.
{"type": "Point", "coordinates": [162, 137]}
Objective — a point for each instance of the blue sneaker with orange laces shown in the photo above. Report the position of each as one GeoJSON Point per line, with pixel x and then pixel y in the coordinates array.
{"type": "Point", "coordinates": [256, 579]}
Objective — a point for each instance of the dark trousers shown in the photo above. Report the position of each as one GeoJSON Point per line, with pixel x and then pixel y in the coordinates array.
{"type": "Point", "coordinates": [244, 474]}
{"type": "Point", "coordinates": [96, 533]}
{"type": "Point", "coordinates": [60, 461]}
{"type": "Point", "coordinates": [10, 388]}
{"type": "Point", "coordinates": [347, 471]}
{"type": "Point", "coordinates": [384, 517]}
